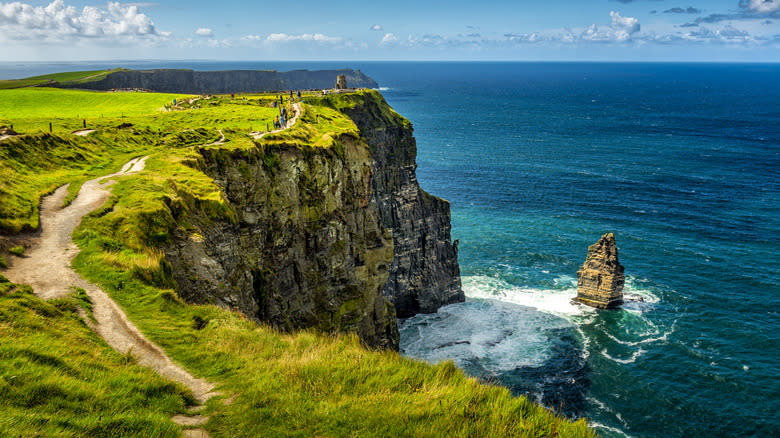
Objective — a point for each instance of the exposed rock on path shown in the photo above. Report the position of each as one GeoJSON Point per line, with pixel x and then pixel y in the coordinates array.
{"type": "Point", "coordinates": [47, 268]}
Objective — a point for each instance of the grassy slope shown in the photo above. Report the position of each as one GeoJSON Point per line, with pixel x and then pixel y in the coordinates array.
{"type": "Point", "coordinates": [66, 77]}
{"type": "Point", "coordinates": [299, 385]}
{"type": "Point", "coordinates": [58, 378]}
{"type": "Point", "coordinates": [36, 164]}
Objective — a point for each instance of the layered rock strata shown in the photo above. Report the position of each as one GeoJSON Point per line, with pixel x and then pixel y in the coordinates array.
{"type": "Point", "coordinates": [600, 279]}
{"type": "Point", "coordinates": [228, 81]}
{"type": "Point", "coordinates": [424, 275]}
{"type": "Point", "coordinates": [320, 236]}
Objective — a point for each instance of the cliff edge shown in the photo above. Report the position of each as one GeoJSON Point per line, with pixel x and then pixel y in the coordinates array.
{"type": "Point", "coordinates": [340, 237]}
{"type": "Point", "coordinates": [425, 274]}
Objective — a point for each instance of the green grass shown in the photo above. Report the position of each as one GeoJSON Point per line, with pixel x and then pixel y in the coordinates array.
{"type": "Point", "coordinates": [33, 165]}
{"type": "Point", "coordinates": [17, 250]}
{"type": "Point", "coordinates": [58, 378]}
{"type": "Point", "coordinates": [74, 77]}
{"type": "Point", "coordinates": [304, 384]}
{"type": "Point", "coordinates": [6, 84]}
{"type": "Point", "coordinates": [52, 103]}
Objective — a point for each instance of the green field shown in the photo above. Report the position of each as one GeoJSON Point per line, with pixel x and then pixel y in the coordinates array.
{"type": "Point", "coordinates": [303, 384]}
{"type": "Point", "coordinates": [42, 103]}
{"type": "Point", "coordinates": [58, 378]}
{"type": "Point", "coordinates": [74, 77]}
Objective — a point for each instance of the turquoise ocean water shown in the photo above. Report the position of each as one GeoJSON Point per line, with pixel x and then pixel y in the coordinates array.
{"type": "Point", "coordinates": [538, 160]}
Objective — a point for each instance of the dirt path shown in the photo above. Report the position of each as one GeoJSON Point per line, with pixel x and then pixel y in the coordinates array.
{"type": "Point", "coordinates": [298, 111]}
{"type": "Point", "coordinates": [219, 141]}
{"type": "Point", "coordinates": [47, 268]}
{"type": "Point", "coordinates": [83, 132]}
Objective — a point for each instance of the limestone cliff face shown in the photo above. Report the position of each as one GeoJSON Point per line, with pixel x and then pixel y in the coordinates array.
{"type": "Point", "coordinates": [335, 238]}
{"type": "Point", "coordinates": [600, 279]}
{"type": "Point", "coordinates": [228, 81]}
{"type": "Point", "coordinates": [306, 249]}
{"type": "Point", "coordinates": [424, 275]}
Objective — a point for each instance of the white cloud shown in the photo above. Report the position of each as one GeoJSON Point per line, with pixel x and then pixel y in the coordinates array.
{"type": "Point", "coordinates": [761, 6]}
{"type": "Point", "coordinates": [204, 32]}
{"type": "Point", "coordinates": [377, 27]}
{"type": "Point", "coordinates": [621, 30]}
{"type": "Point", "coordinates": [389, 38]}
{"type": "Point", "coordinates": [306, 37]}
{"type": "Point", "coordinates": [251, 38]}
{"type": "Point", "coordinates": [57, 21]}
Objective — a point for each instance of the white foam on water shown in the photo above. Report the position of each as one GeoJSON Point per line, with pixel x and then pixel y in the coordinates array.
{"type": "Point", "coordinates": [384, 88]}
{"type": "Point", "coordinates": [594, 425]}
{"type": "Point", "coordinates": [663, 338]}
{"type": "Point", "coordinates": [554, 301]}
{"type": "Point", "coordinates": [632, 359]}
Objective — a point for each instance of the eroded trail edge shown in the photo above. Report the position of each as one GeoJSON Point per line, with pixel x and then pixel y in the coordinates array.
{"type": "Point", "coordinates": [47, 268]}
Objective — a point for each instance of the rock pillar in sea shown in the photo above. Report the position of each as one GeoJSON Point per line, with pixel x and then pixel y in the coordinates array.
{"type": "Point", "coordinates": [600, 279]}
{"type": "Point", "coordinates": [341, 82]}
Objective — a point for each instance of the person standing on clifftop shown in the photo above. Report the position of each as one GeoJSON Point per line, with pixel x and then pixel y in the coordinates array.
{"type": "Point", "coordinates": [299, 94]}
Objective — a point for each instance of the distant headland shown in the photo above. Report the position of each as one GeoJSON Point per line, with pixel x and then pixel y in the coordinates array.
{"type": "Point", "coordinates": [209, 82]}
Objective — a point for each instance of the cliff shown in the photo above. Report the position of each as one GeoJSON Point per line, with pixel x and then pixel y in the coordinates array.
{"type": "Point", "coordinates": [424, 274]}
{"type": "Point", "coordinates": [320, 234]}
{"type": "Point", "coordinates": [600, 279]}
{"type": "Point", "coordinates": [228, 81]}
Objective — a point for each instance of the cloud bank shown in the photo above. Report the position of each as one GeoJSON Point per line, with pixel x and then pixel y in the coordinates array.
{"type": "Point", "coordinates": [58, 22]}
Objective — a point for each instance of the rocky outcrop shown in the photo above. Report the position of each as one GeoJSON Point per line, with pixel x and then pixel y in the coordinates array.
{"type": "Point", "coordinates": [424, 275]}
{"type": "Point", "coordinates": [229, 81]}
{"type": "Point", "coordinates": [600, 279]}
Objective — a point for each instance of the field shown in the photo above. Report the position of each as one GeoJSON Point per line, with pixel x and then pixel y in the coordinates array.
{"type": "Point", "coordinates": [58, 377]}
{"type": "Point", "coordinates": [302, 384]}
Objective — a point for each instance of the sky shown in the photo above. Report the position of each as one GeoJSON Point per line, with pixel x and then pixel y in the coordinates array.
{"type": "Point", "coordinates": [473, 30]}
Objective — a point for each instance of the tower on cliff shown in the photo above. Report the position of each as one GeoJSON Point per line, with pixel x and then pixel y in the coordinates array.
{"type": "Point", "coordinates": [600, 279]}
{"type": "Point", "coordinates": [341, 82]}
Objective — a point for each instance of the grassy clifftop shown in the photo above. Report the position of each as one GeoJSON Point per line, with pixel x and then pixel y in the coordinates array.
{"type": "Point", "coordinates": [301, 384]}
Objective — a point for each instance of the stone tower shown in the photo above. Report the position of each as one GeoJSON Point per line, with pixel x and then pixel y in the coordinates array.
{"type": "Point", "coordinates": [341, 82]}
{"type": "Point", "coordinates": [600, 279]}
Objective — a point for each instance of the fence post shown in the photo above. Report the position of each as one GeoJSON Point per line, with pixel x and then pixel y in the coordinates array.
{"type": "Point", "coordinates": [49, 127]}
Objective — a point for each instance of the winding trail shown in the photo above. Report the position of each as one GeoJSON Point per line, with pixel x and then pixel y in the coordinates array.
{"type": "Point", "coordinates": [298, 111]}
{"type": "Point", "coordinates": [47, 268]}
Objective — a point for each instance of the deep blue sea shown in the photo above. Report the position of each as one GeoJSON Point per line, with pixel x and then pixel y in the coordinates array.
{"type": "Point", "coordinates": [538, 160]}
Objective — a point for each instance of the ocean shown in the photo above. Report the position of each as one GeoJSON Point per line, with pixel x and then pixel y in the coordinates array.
{"type": "Point", "coordinates": [680, 161]}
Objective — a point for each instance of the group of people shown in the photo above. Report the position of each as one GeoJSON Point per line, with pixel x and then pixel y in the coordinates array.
{"type": "Point", "coordinates": [280, 121]}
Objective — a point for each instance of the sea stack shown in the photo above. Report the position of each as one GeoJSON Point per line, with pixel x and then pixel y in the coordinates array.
{"type": "Point", "coordinates": [341, 82]}
{"type": "Point", "coordinates": [600, 279]}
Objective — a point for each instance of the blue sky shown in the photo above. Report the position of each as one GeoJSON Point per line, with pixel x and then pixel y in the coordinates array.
{"type": "Point", "coordinates": [560, 30]}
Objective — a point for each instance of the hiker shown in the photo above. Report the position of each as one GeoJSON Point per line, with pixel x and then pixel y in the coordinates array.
{"type": "Point", "coordinates": [299, 94]}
